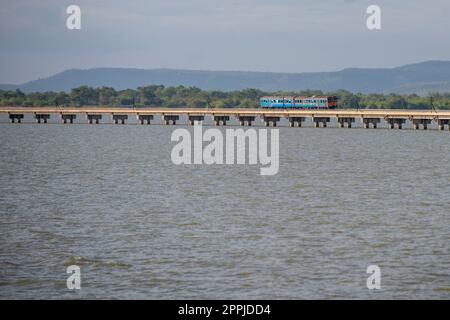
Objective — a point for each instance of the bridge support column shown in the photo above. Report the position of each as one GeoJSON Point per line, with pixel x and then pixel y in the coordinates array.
{"type": "Point", "coordinates": [296, 121]}
{"type": "Point", "coordinates": [41, 117]}
{"type": "Point", "coordinates": [345, 120]}
{"type": "Point", "coordinates": [143, 118]}
{"type": "Point", "coordinates": [170, 118]}
{"type": "Point", "coordinates": [321, 120]}
{"type": "Point", "coordinates": [192, 119]}
{"type": "Point", "coordinates": [371, 121]}
{"type": "Point", "coordinates": [221, 120]}
{"type": "Point", "coordinates": [395, 121]}
{"type": "Point", "coordinates": [423, 122]}
{"type": "Point", "coordinates": [68, 117]}
{"type": "Point", "coordinates": [442, 123]}
{"type": "Point", "coordinates": [93, 118]}
{"type": "Point", "coordinates": [271, 120]}
{"type": "Point", "coordinates": [14, 116]}
{"type": "Point", "coordinates": [246, 120]}
{"type": "Point", "coordinates": [119, 118]}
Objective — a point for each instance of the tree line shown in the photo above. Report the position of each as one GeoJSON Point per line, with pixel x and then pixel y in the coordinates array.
{"type": "Point", "coordinates": [192, 97]}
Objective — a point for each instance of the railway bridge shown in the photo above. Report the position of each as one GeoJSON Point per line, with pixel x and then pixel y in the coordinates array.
{"type": "Point", "coordinates": [369, 118]}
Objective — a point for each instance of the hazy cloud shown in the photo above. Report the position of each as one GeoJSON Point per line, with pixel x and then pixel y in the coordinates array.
{"type": "Point", "coordinates": [265, 35]}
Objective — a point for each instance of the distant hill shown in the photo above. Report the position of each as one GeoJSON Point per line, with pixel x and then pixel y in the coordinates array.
{"type": "Point", "coordinates": [417, 78]}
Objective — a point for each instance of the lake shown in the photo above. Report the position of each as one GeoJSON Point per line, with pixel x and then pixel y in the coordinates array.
{"type": "Point", "coordinates": [109, 199]}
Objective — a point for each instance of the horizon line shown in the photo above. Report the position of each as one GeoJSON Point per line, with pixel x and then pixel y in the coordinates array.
{"type": "Point", "coordinates": [212, 70]}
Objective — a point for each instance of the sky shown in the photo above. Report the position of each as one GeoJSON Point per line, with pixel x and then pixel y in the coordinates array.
{"type": "Point", "coordinates": [247, 35]}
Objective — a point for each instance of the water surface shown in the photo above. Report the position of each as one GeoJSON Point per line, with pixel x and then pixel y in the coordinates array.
{"type": "Point", "coordinates": [108, 198]}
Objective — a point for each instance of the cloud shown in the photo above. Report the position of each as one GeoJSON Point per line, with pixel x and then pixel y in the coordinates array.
{"type": "Point", "coordinates": [271, 35]}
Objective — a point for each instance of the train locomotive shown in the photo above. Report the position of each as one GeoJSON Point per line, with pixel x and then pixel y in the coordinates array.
{"type": "Point", "coordinates": [298, 102]}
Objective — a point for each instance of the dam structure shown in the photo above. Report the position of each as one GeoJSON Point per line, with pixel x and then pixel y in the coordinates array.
{"type": "Point", "coordinates": [344, 118]}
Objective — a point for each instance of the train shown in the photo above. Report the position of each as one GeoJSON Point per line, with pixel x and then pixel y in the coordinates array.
{"type": "Point", "coordinates": [298, 102]}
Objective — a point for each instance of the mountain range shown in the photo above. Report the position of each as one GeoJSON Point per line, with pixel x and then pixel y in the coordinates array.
{"type": "Point", "coordinates": [419, 78]}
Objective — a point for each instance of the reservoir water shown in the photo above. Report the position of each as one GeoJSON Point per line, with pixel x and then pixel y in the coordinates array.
{"type": "Point", "coordinates": [108, 199]}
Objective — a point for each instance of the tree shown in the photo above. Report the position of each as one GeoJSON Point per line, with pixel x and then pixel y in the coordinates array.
{"type": "Point", "coordinates": [396, 102]}
{"type": "Point", "coordinates": [127, 97]}
{"type": "Point", "coordinates": [148, 96]}
{"type": "Point", "coordinates": [180, 96]}
{"type": "Point", "coordinates": [84, 95]}
{"type": "Point", "coordinates": [106, 96]}
{"type": "Point", "coordinates": [61, 98]}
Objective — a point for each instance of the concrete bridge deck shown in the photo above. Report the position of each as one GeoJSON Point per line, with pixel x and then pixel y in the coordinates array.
{"type": "Point", "coordinates": [344, 117]}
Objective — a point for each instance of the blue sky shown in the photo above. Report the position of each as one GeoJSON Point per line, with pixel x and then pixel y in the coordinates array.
{"type": "Point", "coordinates": [258, 35]}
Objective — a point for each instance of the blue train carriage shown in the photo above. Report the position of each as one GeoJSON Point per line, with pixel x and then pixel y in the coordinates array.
{"type": "Point", "coordinates": [298, 102]}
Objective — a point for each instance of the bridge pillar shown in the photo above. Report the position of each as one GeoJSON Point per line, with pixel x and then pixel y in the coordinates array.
{"type": "Point", "coordinates": [423, 122]}
{"type": "Point", "coordinates": [170, 118]}
{"type": "Point", "coordinates": [442, 123]}
{"type": "Point", "coordinates": [93, 118]}
{"type": "Point", "coordinates": [321, 120]}
{"type": "Point", "coordinates": [41, 117]}
{"type": "Point", "coordinates": [14, 116]}
{"type": "Point", "coordinates": [371, 121]}
{"type": "Point", "coordinates": [246, 120]}
{"type": "Point", "coordinates": [293, 121]}
{"type": "Point", "coordinates": [198, 118]}
{"type": "Point", "coordinates": [221, 120]}
{"type": "Point", "coordinates": [345, 120]}
{"type": "Point", "coordinates": [68, 117]}
{"type": "Point", "coordinates": [395, 121]}
{"type": "Point", "coordinates": [142, 118]}
{"type": "Point", "coordinates": [270, 120]}
{"type": "Point", "coordinates": [119, 118]}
